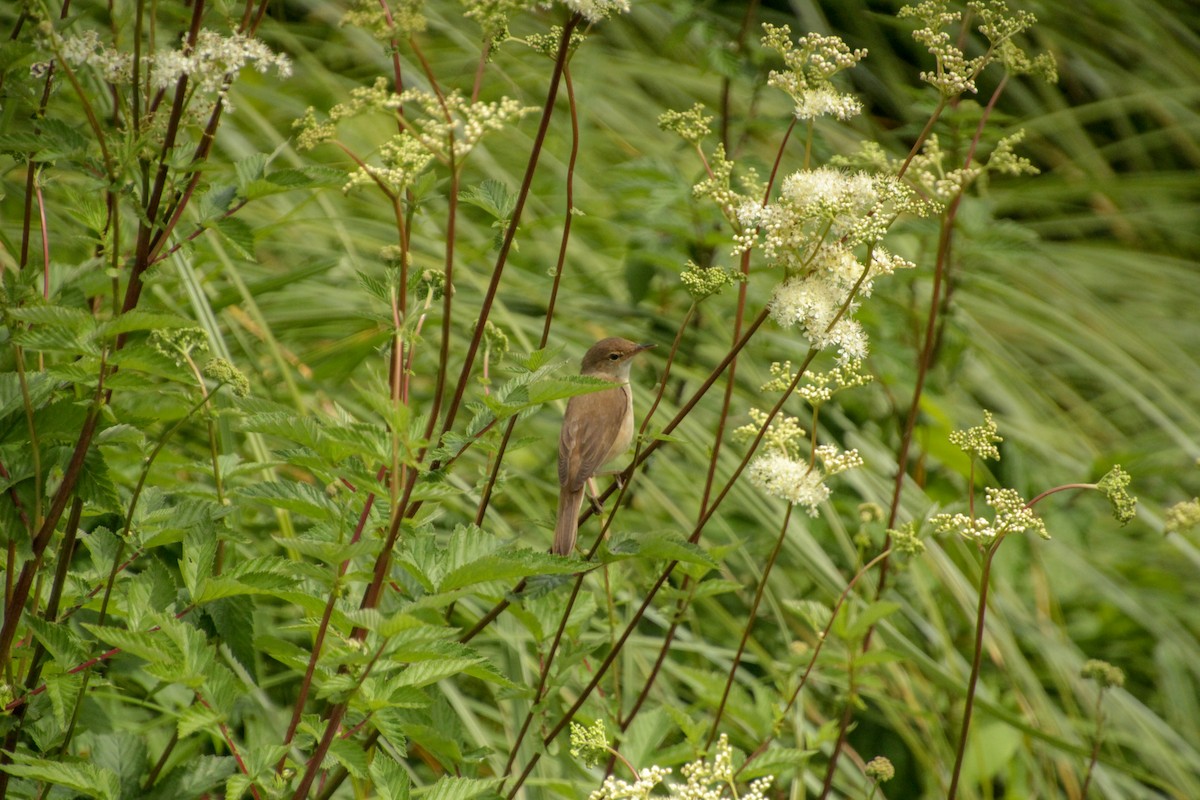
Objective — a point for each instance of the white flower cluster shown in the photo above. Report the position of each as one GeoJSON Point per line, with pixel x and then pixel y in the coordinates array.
{"type": "Point", "coordinates": [456, 119]}
{"type": "Point", "coordinates": [780, 472]}
{"type": "Point", "coordinates": [812, 231]}
{"type": "Point", "coordinates": [402, 160]}
{"type": "Point", "coordinates": [617, 789]}
{"type": "Point", "coordinates": [214, 59]}
{"type": "Point", "coordinates": [596, 10]}
{"type": "Point", "coordinates": [800, 482]}
{"type": "Point", "coordinates": [1012, 516]}
{"type": "Point", "coordinates": [113, 65]}
{"type": "Point", "coordinates": [211, 65]}
{"type": "Point", "coordinates": [811, 61]}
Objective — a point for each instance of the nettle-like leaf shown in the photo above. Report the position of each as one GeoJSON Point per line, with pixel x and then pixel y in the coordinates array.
{"type": "Point", "coordinates": [294, 496]}
{"type": "Point", "coordinates": [389, 777]}
{"type": "Point", "coordinates": [197, 776]}
{"type": "Point", "coordinates": [291, 179]}
{"type": "Point", "coordinates": [477, 557]}
{"type": "Point", "coordinates": [122, 753]}
{"type": "Point", "coordinates": [196, 566]}
{"type": "Point", "coordinates": [238, 233]}
{"type": "Point", "coordinates": [658, 545]}
{"type": "Point", "coordinates": [777, 761]}
{"type": "Point", "coordinates": [137, 320]}
{"type": "Point", "coordinates": [451, 788]}
{"type": "Point", "coordinates": [233, 620]}
{"type": "Point", "coordinates": [63, 691]}
{"type": "Point", "coordinates": [79, 776]}
{"type": "Point", "coordinates": [62, 643]}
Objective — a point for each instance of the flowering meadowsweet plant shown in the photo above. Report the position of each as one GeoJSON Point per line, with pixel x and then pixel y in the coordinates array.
{"type": "Point", "coordinates": [1182, 517]}
{"type": "Point", "coordinates": [702, 282]}
{"type": "Point", "coordinates": [781, 472]}
{"type": "Point", "coordinates": [447, 129]}
{"type": "Point", "coordinates": [812, 60]}
{"type": "Point", "coordinates": [1012, 515]}
{"type": "Point", "coordinates": [703, 779]}
{"type": "Point", "coordinates": [954, 73]}
{"type": "Point", "coordinates": [824, 231]}
{"type": "Point", "coordinates": [1115, 485]}
{"type": "Point", "coordinates": [979, 442]}
{"type": "Point", "coordinates": [211, 64]}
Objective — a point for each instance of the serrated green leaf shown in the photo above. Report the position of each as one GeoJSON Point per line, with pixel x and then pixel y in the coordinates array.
{"type": "Point", "coordinates": [307, 177]}
{"type": "Point", "coordinates": [491, 196]}
{"type": "Point", "coordinates": [389, 777]}
{"type": "Point", "coordinates": [83, 777]}
{"type": "Point", "coordinates": [250, 168]}
{"type": "Point", "coordinates": [233, 620]}
{"type": "Point", "coordinates": [350, 754]}
{"type": "Point", "coordinates": [152, 647]}
{"type": "Point", "coordinates": [451, 788]}
{"type": "Point", "coordinates": [124, 754]}
{"type": "Point", "coordinates": [45, 339]}
{"type": "Point", "coordinates": [199, 556]}
{"type": "Point", "coordinates": [777, 761]}
{"type": "Point", "coordinates": [58, 639]}
{"type": "Point", "coordinates": [50, 316]}
{"type": "Point", "coordinates": [238, 233]}
{"type": "Point", "coordinates": [63, 691]}
{"type": "Point", "coordinates": [659, 545]}
{"type": "Point", "coordinates": [299, 498]}
{"type": "Point", "coordinates": [199, 776]}
{"type": "Point", "coordinates": [423, 673]}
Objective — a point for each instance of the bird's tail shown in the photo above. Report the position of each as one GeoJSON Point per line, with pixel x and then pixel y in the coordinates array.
{"type": "Point", "coordinates": [567, 526]}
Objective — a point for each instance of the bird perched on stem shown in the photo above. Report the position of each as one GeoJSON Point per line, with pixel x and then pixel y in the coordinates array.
{"type": "Point", "coordinates": [597, 428]}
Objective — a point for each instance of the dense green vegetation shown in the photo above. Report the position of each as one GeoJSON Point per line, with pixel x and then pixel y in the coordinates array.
{"type": "Point", "coordinates": [276, 504]}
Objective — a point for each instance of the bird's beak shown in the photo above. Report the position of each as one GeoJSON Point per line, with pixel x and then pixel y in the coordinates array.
{"type": "Point", "coordinates": [646, 346]}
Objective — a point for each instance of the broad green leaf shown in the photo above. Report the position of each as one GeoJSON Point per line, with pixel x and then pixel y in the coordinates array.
{"type": "Point", "coordinates": [450, 788]}
{"type": "Point", "coordinates": [238, 233]}
{"type": "Point", "coordinates": [58, 639]}
{"type": "Point", "coordinates": [491, 196]}
{"type": "Point", "coordinates": [390, 778]}
{"type": "Point", "coordinates": [233, 619]}
{"type": "Point", "coordinates": [423, 673]}
{"type": "Point", "coordinates": [82, 777]}
{"type": "Point", "coordinates": [299, 498]}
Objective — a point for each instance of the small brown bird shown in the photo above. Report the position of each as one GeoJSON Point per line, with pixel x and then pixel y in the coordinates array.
{"type": "Point", "coordinates": [597, 428]}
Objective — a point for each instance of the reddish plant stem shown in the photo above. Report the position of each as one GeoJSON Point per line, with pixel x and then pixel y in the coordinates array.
{"type": "Point", "coordinates": [486, 496]}
{"type": "Point", "coordinates": [511, 231]}
{"type": "Point", "coordinates": [401, 512]}
{"type": "Point", "coordinates": [976, 661]}
{"type": "Point", "coordinates": [322, 629]}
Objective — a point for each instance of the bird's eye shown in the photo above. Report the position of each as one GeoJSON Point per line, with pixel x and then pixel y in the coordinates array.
{"type": "Point", "coordinates": [614, 356]}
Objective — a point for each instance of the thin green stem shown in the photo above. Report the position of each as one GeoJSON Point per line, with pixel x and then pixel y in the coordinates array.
{"type": "Point", "coordinates": [1096, 741]}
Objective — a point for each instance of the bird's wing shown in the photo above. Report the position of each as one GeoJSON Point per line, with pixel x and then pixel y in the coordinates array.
{"type": "Point", "coordinates": [581, 446]}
